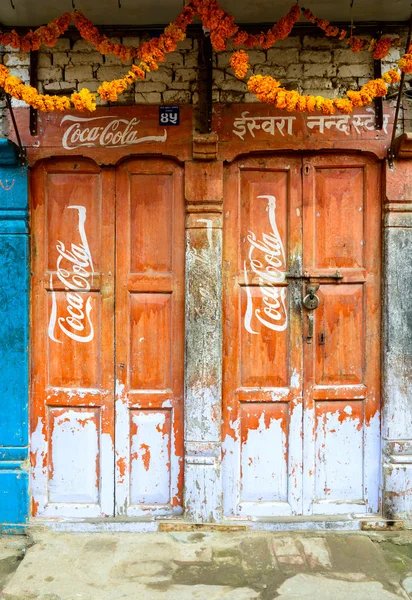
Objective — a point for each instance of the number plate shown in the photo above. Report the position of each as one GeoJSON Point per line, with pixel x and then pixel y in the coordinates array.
{"type": "Point", "coordinates": [169, 116]}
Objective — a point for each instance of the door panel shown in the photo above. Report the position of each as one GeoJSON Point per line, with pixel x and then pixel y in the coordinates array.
{"type": "Point", "coordinates": [294, 376]}
{"type": "Point", "coordinates": [341, 432]}
{"type": "Point", "coordinates": [262, 338]}
{"type": "Point", "coordinates": [149, 338]}
{"type": "Point", "coordinates": [72, 341]}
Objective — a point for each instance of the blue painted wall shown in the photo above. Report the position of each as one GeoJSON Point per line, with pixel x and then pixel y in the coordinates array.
{"type": "Point", "coordinates": [14, 344]}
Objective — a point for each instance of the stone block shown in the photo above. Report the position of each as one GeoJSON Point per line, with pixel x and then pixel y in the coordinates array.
{"type": "Point", "coordinates": [292, 41]}
{"type": "Point", "coordinates": [110, 73]}
{"type": "Point", "coordinates": [80, 73]}
{"type": "Point", "coordinates": [148, 98]}
{"type": "Point", "coordinates": [317, 83]}
{"type": "Point", "coordinates": [332, 93]}
{"type": "Point", "coordinates": [62, 45]}
{"type": "Point", "coordinates": [347, 57]}
{"type": "Point", "coordinates": [294, 71]}
{"type": "Point", "coordinates": [276, 72]}
{"type": "Point", "coordinates": [234, 85]}
{"type": "Point", "coordinates": [185, 75]}
{"type": "Point", "coordinates": [22, 73]}
{"type": "Point", "coordinates": [149, 86]}
{"type": "Point", "coordinates": [45, 60]}
{"type": "Point", "coordinates": [315, 56]}
{"type": "Point", "coordinates": [60, 85]}
{"type": "Point", "coordinates": [90, 85]}
{"type": "Point", "coordinates": [60, 59]}
{"type": "Point", "coordinates": [186, 44]}
{"type": "Point", "coordinates": [16, 59]}
{"type": "Point", "coordinates": [228, 96]}
{"type": "Point", "coordinates": [218, 76]}
{"type": "Point", "coordinates": [115, 61]}
{"type": "Point", "coordinates": [131, 41]}
{"type": "Point", "coordinates": [191, 59]}
{"type": "Point", "coordinates": [322, 42]}
{"type": "Point", "coordinates": [256, 57]}
{"type": "Point", "coordinates": [174, 58]}
{"type": "Point", "coordinates": [177, 96]}
{"type": "Point", "coordinates": [86, 58]}
{"type": "Point", "coordinates": [316, 552]}
{"type": "Point", "coordinates": [223, 59]}
{"type": "Point", "coordinates": [82, 46]}
{"type": "Point", "coordinates": [277, 56]}
{"type": "Point", "coordinates": [179, 85]}
{"type": "Point", "coordinates": [355, 71]}
{"type": "Point", "coordinates": [321, 70]}
{"type": "Point", "coordinates": [251, 97]}
{"type": "Point", "coordinates": [163, 74]}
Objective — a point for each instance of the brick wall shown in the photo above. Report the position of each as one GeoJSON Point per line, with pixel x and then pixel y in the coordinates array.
{"type": "Point", "coordinates": [312, 65]}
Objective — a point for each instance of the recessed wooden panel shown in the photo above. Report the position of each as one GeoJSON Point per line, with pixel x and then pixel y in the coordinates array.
{"type": "Point", "coordinates": [339, 335]}
{"type": "Point", "coordinates": [339, 451]}
{"type": "Point", "coordinates": [150, 432]}
{"type": "Point", "coordinates": [264, 452]}
{"type": "Point", "coordinates": [263, 221]}
{"type": "Point", "coordinates": [264, 355]}
{"type": "Point", "coordinates": [339, 216]}
{"type": "Point", "coordinates": [151, 223]}
{"type": "Point", "coordinates": [73, 221]}
{"type": "Point", "coordinates": [150, 341]}
{"type": "Point", "coordinates": [74, 339]}
{"type": "Point", "coordinates": [73, 469]}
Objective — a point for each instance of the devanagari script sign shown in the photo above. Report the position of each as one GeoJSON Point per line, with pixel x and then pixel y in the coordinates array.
{"type": "Point", "coordinates": [260, 122]}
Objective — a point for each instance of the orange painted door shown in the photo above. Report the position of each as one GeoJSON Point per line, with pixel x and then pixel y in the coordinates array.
{"type": "Point", "coordinates": [149, 338]}
{"type": "Point", "coordinates": [72, 339]}
{"type": "Point", "coordinates": [262, 355]}
{"type": "Point", "coordinates": [107, 338]}
{"type": "Point", "coordinates": [301, 385]}
{"type": "Point", "coordinates": [342, 238]}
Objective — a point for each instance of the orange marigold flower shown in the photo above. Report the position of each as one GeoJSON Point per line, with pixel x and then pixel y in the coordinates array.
{"type": "Point", "coordinates": [239, 61]}
{"type": "Point", "coordinates": [343, 105]}
{"type": "Point", "coordinates": [382, 48]}
{"type": "Point", "coordinates": [327, 107]}
{"type": "Point", "coordinates": [355, 98]}
{"type": "Point", "coordinates": [310, 103]}
{"type": "Point", "coordinates": [391, 76]}
{"type": "Point", "coordinates": [405, 63]}
{"type": "Point", "coordinates": [84, 100]}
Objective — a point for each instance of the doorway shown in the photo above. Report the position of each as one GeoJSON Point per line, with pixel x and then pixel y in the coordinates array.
{"type": "Point", "coordinates": [301, 330]}
{"type": "Point", "coordinates": [107, 338]}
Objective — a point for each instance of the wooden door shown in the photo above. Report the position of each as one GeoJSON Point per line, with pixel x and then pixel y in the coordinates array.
{"type": "Point", "coordinates": [342, 237]}
{"type": "Point", "coordinates": [149, 338]}
{"type": "Point", "coordinates": [72, 339]}
{"type": "Point", "coordinates": [106, 330]}
{"type": "Point", "coordinates": [295, 377]}
{"type": "Point", "coordinates": [262, 368]}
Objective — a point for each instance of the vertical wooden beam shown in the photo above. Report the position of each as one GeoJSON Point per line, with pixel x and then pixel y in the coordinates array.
{"type": "Point", "coordinates": [203, 373]}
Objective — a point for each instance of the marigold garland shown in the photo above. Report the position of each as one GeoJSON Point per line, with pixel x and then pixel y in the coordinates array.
{"type": "Point", "coordinates": [380, 48]}
{"type": "Point", "coordinates": [222, 28]}
{"type": "Point", "coordinates": [268, 90]}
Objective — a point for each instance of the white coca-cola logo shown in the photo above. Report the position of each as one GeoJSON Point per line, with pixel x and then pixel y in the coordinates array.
{"type": "Point", "coordinates": [74, 268]}
{"type": "Point", "coordinates": [109, 132]}
{"type": "Point", "coordinates": [266, 261]}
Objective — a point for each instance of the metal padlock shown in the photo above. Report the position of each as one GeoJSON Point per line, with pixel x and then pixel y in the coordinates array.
{"type": "Point", "coordinates": [311, 300]}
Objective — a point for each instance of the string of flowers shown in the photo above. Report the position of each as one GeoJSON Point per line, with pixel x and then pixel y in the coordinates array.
{"type": "Point", "coordinates": [46, 34]}
{"type": "Point", "coordinates": [379, 48]}
{"type": "Point", "coordinates": [267, 89]}
{"type": "Point", "coordinates": [223, 29]}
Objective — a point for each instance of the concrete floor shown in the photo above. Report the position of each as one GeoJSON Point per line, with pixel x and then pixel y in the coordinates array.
{"type": "Point", "coordinates": [207, 566]}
